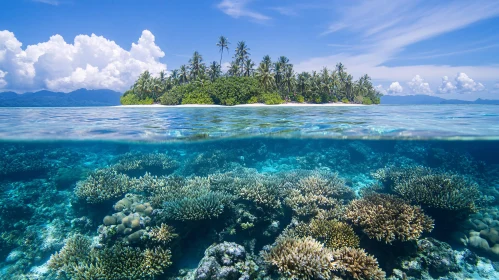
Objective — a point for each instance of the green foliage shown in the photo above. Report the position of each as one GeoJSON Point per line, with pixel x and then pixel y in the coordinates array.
{"type": "Point", "coordinates": [197, 83]}
{"type": "Point", "coordinates": [132, 99]}
{"type": "Point", "coordinates": [271, 98]}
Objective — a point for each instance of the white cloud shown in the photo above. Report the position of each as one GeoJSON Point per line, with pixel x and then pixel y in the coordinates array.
{"type": "Point", "coordinates": [446, 86]}
{"type": "Point", "coordinates": [237, 9]}
{"type": "Point", "coordinates": [419, 86]}
{"type": "Point", "coordinates": [400, 24]}
{"type": "Point", "coordinates": [225, 66]}
{"type": "Point", "coordinates": [89, 62]}
{"type": "Point", "coordinates": [466, 84]}
{"type": "Point", "coordinates": [3, 83]}
{"type": "Point", "coordinates": [380, 89]}
{"type": "Point", "coordinates": [395, 88]}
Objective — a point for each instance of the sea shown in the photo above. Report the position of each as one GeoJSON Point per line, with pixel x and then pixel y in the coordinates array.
{"type": "Point", "coordinates": [357, 192]}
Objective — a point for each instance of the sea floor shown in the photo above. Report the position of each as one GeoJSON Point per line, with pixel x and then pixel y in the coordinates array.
{"type": "Point", "coordinates": [259, 208]}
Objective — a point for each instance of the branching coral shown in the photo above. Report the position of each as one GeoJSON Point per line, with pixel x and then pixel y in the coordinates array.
{"type": "Point", "coordinates": [388, 218]}
{"type": "Point", "coordinates": [103, 185]}
{"type": "Point", "coordinates": [303, 258]}
{"type": "Point", "coordinates": [357, 264]}
{"type": "Point", "coordinates": [432, 188]}
{"type": "Point", "coordinates": [334, 234]}
{"type": "Point", "coordinates": [263, 192]}
{"type": "Point", "coordinates": [162, 234]}
{"type": "Point", "coordinates": [138, 162]}
{"type": "Point", "coordinates": [77, 260]}
{"type": "Point", "coordinates": [319, 190]}
{"type": "Point", "coordinates": [201, 207]}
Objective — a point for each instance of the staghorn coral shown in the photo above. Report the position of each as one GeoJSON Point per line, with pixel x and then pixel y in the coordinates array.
{"type": "Point", "coordinates": [319, 190]}
{"type": "Point", "coordinates": [201, 207]}
{"type": "Point", "coordinates": [443, 191]}
{"type": "Point", "coordinates": [77, 260]}
{"type": "Point", "coordinates": [357, 264]}
{"type": "Point", "coordinates": [303, 258]}
{"type": "Point", "coordinates": [333, 234]}
{"type": "Point", "coordinates": [263, 192]}
{"type": "Point", "coordinates": [103, 185]}
{"type": "Point", "coordinates": [163, 234]}
{"type": "Point", "coordinates": [132, 163]}
{"type": "Point", "coordinates": [388, 218]}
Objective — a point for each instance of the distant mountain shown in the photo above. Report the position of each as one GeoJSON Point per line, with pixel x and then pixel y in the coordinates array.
{"type": "Point", "coordinates": [427, 99]}
{"type": "Point", "coordinates": [45, 98]}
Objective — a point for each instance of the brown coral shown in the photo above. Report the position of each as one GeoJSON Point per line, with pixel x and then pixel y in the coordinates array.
{"type": "Point", "coordinates": [303, 258]}
{"type": "Point", "coordinates": [319, 190]}
{"type": "Point", "coordinates": [388, 218]}
{"type": "Point", "coordinates": [162, 234]}
{"type": "Point", "coordinates": [357, 264]}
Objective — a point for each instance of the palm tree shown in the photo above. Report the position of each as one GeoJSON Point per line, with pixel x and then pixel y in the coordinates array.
{"type": "Point", "coordinates": [183, 74]}
{"type": "Point", "coordinates": [264, 75]}
{"type": "Point", "coordinates": [303, 83]}
{"type": "Point", "coordinates": [233, 69]}
{"type": "Point", "coordinates": [214, 71]}
{"type": "Point", "coordinates": [248, 68]}
{"type": "Point", "coordinates": [196, 65]}
{"type": "Point", "coordinates": [242, 54]}
{"type": "Point", "coordinates": [268, 62]}
{"type": "Point", "coordinates": [223, 43]}
{"type": "Point", "coordinates": [289, 79]}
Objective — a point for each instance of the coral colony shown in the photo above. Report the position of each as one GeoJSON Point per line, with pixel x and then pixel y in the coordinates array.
{"type": "Point", "coordinates": [247, 209]}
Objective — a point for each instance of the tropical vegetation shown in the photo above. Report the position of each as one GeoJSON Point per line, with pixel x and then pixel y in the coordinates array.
{"type": "Point", "coordinates": [269, 82]}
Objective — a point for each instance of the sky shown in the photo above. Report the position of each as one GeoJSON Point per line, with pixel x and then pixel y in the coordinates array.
{"type": "Point", "coordinates": [443, 48]}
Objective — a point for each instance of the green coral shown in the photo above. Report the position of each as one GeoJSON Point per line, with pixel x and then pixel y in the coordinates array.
{"type": "Point", "coordinates": [131, 163]}
{"type": "Point", "coordinates": [433, 188]}
{"type": "Point", "coordinates": [103, 185]}
{"type": "Point", "coordinates": [77, 260]}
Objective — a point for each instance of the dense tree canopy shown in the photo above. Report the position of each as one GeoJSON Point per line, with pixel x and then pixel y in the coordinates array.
{"type": "Point", "coordinates": [269, 83]}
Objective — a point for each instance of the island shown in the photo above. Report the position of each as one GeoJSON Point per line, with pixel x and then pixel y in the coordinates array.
{"type": "Point", "coordinates": [271, 83]}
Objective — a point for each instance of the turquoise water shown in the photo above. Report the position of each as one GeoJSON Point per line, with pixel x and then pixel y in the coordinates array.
{"type": "Point", "coordinates": [410, 192]}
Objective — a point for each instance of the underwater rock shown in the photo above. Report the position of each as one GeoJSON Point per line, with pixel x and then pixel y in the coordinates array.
{"type": "Point", "coordinates": [227, 260]}
{"type": "Point", "coordinates": [434, 258]}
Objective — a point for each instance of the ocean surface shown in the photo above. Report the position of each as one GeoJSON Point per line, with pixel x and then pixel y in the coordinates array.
{"type": "Point", "coordinates": [367, 192]}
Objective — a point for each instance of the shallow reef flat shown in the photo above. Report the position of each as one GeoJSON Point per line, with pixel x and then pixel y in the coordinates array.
{"type": "Point", "coordinates": [259, 208]}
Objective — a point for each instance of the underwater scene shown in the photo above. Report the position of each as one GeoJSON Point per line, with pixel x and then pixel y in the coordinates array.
{"type": "Point", "coordinates": [274, 205]}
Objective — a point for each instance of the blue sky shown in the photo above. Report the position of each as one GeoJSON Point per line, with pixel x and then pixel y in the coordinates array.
{"type": "Point", "coordinates": [444, 48]}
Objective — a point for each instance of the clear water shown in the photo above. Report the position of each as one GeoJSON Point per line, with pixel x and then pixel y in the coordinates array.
{"type": "Point", "coordinates": [255, 156]}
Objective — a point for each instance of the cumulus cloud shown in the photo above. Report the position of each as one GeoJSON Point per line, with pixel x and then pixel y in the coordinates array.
{"type": "Point", "coordinates": [466, 84]}
{"type": "Point", "coordinates": [91, 62]}
{"type": "Point", "coordinates": [446, 86]}
{"type": "Point", "coordinates": [395, 88]}
{"type": "Point", "coordinates": [419, 86]}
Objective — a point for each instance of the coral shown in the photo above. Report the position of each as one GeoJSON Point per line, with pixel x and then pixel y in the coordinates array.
{"type": "Point", "coordinates": [261, 191]}
{"type": "Point", "coordinates": [201, 207]}
{"type": "Point", "coordinates": [103, 185]}
{"type": "Point", "coordinates": [357, 264]}
{"type": "Point", "coordinates": [388, 218]}
{"type": "Point", "coordinates": [432, 188]}
{"type": "Point", "coordinates": [77, 260]}
{"type": "Point", "coordinates": [303, 258]}
{"type": "Point", "coordinates": [134, 163]}
{"type": "Point", "coordinates": [333, 234]}
{"type": "Point", "coordinates": [226, 260]}
{"type": "Point", "coordinates": [319, 190]}
{"type": "Point", "coordinates": [162, 234]}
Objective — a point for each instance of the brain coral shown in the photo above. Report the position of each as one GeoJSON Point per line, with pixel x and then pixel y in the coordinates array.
{"type": "Point", "coordinates": [388, 218]}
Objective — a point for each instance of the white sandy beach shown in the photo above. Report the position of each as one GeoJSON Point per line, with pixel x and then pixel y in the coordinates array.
{"type": "Point", "coordinates": [245, 105]}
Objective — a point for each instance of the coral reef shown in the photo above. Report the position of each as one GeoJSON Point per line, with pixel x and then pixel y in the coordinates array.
{"type": "Point", "coordinates": [303, 258]}
{"type": "Point", "coordinates": [319, 190]}
{"type": "Point", "coordinates": [137, 164]}
{"type": "Point", "coordinates": [388, 218]}
{"type": "Point", "coordinates": [225, 261]}
{"type": "Point", "coordinates": [332, 233]}
{"type": "Point", "coordinates": [78, 260]}
{"type": "Point", "coordinates": [357, 264]}
{"type": "Point", "coordinates": [103, 185]}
